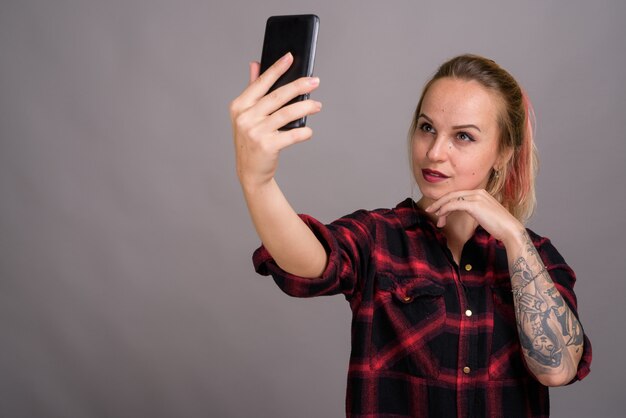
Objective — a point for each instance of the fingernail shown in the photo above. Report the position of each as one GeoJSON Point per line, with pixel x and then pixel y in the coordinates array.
{"type": "Point", "coordinates": [314, 81]}
{"type": "Point", "coordinates": [286, 57]}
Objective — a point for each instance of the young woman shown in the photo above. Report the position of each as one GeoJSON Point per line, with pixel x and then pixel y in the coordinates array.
{"type": "Point", "coordinates": [458, 309]}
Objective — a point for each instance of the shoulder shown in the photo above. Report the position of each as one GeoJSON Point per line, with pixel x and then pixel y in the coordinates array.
{"type": "Point", "coordinates": [537, 240]}
{"type": "Point", "coordinates": [540, 242]}
{"type": "Point", "coordinates": [546, 249]}
{"type": "Point", "coordinates": [404, 214]}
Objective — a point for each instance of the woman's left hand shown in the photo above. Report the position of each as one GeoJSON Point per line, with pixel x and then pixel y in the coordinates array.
{"type": "Point", "coordinates": [483, 207]}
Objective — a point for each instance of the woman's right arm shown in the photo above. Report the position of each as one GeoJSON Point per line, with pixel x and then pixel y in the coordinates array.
{"type": "Point", "coordinates": [256, 117]}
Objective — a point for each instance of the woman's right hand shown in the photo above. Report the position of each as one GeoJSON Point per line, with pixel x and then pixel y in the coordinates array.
{"type": "Point", "coordinates": [257, 117]}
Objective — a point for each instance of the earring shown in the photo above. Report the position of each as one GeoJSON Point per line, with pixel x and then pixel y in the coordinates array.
{"type": "Point", "coordinates": [496, 173]}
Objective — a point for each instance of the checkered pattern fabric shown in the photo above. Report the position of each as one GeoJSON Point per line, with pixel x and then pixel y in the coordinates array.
{"type": "Point", "coordinates": [430, 338]}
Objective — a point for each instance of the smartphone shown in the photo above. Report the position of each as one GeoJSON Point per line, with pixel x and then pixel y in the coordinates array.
{"type": "Point", "coordinates": [296, 34]}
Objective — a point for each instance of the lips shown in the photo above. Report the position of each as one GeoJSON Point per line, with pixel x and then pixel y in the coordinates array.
{"type": "Point", "coordinates": [433, 176]}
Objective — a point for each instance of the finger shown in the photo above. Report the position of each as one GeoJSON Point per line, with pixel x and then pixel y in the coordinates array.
{"type": "Point", "coordinates": [283, 95]}
{"type": "Point", "coordinates": [290, 113]}
{"type": "Point", "coordinates": [448, 204]}
{"type": "Point", "coordinates": [261, 84]}
{"type": "Point", "coordinates": [453, 205]}
{"type": "Point", "coordinates": [284, 139]}
{"type": "Point", "coordinates": [255, 69]}
{"type": "Point", "coordinates": [461, 195]}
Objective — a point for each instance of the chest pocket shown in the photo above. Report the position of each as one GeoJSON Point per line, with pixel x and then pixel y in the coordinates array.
{"type": "Point", "coordinates": [408, 316]}
{"type": "Point", "coordinates": [506, 358]}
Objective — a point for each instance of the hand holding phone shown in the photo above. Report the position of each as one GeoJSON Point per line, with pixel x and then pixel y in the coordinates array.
{"type": "Point", "coordinates": [262, 126]}
{"type": "Point", "coordinates": [296, 34]}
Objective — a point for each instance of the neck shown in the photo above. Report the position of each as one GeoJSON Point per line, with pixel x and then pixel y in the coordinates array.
{"type": "Point", "coordinates": [460, 226]}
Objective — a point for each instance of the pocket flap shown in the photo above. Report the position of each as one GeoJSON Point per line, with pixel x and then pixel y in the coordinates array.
{"type": "Point", "coordinates": [405, 289]}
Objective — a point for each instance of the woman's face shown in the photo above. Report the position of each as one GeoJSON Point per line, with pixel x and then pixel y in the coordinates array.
{"type": "Point", "coordinates": [455, 145]}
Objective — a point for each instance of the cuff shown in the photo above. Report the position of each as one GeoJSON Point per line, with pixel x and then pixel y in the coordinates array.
{"type": "Point", "coordinates": [298, 286]}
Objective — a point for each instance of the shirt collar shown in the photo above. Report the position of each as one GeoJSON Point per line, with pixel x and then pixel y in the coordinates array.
{"type": "Point", "coordinates": [410, 216]}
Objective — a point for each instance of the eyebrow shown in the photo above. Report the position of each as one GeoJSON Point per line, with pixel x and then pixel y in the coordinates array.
{"type": "Point", "coordinates": [422, 115]}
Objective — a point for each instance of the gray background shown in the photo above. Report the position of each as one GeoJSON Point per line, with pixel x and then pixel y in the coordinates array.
{"type": "Point", "coordinates": [126, 283]}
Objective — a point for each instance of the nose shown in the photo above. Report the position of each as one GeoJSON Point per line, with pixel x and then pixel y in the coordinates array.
{"type": "Point", "coordinates": [438, 150]}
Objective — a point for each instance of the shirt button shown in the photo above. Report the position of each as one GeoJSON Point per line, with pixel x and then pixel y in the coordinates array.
{"type": "Point", "coordinates": [466, 370]}
{"type": "Point", "coordinates": [468, 312]}
{"type": "Point", "coordinates": [468, 267]}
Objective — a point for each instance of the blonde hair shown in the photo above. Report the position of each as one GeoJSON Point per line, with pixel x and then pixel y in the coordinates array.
{"type": "Point", "coordinates": [514, 184]}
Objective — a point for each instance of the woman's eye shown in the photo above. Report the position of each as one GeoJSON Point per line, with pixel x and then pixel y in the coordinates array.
{"type": "Point", "coordinates": [464, 136]}
{"type": "Point", "coordinates": [427, 127]}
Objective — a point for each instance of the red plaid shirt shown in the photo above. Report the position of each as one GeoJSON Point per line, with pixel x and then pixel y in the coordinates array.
{"type": "Point", "coordinates": [430, 338]}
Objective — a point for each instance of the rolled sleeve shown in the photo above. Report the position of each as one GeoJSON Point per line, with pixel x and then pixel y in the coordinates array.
{"type": "Point", "coordinates": [564, 280]}
{"type": "Point", "coordinates": [345, 247]}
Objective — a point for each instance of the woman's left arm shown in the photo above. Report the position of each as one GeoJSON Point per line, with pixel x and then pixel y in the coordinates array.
{"type": "Point", "coordinates": [550, 334]}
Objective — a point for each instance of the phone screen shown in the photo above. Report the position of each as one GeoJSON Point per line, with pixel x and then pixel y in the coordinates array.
{"type": "Point", "coordinates": [296, 34]}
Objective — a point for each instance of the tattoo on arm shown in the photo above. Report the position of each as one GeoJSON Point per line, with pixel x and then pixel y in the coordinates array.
{"type": "Point", "coordinates": [547, 327]}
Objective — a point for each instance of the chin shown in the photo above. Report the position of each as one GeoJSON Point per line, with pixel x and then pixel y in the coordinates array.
{"type": "Point", "coordinates": [428, 192]}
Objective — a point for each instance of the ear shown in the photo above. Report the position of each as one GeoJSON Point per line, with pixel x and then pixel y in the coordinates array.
{"type": "Point", "coordinates": [503, 159]}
